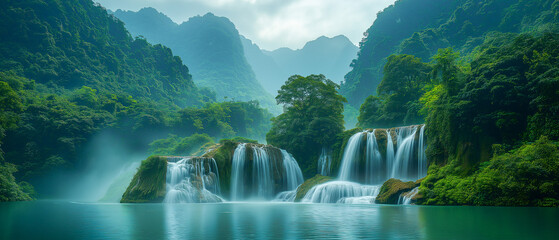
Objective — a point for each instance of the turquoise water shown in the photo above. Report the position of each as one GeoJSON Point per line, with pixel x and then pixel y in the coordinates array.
{"type": "Point", "coordinates": [74, 220]}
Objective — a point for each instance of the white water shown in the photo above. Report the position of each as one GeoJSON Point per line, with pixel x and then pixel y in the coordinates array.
{"type": "Point", "coordinates": [335, 191]}
{"type": "Point", "coordinates": [324, 162]}
{"type": "Point", "coordinates": [405, 198]}
{"type": "Point", "coordinates": [192, 180]}
{"type": "Point", "coordinates": [421, 158]}
{"type": "Point", "coordinates": [404, 154]}
{"type": "Point", "coordinates": [262, 174]}
{"type": "Point", "coordinates": [351, 155]}
{"type": "Point", "coordinates": [398, 163]}
{"type": "Point", "coordinates": [237, 172]}
{"type": "Point", "coordinates": [260, 182]}
{"type": "Point", "coordinates": [292, 174]}
{"type": "Point", "coordinates": [374, 174]}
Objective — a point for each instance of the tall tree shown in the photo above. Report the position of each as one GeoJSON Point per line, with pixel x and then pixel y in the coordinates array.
{"type": "Point", "coordinates": [311, 120]}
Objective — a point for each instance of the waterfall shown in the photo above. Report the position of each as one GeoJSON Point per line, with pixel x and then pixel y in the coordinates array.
{"type": "Point", "coordinates": [237, 172]}
{"type": "Point", "coordinates": [271, 170]}
{"type": "Point", "coordinates": [338, 192]}
{"type": "Point", "coordinates": [292, 174]}
{"type": "Point", "coordinates": [262, 173]}
{"type": "Point", "coordinates": [360, 164]}
{"type": "Point", "coordinates": [404, 154]}
{"type": "Point", "coordinates": [324, 162]}
{"type": "Point", "coordinates": [192, 180]}
{"type": "Point", "coordinates": [389, 152]}
{"type": "Point", "coordinates": [405, 198]}
{"type": "Point", "coordinates": [348, 169]}
{"type": "Point", "coordinates": [374, 173]}
{"type": "Point", "coordinates": [421, 157]}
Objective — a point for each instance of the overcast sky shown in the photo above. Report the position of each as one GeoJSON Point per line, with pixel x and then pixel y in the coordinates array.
{"type": "Point", "coordinates": [274, 23]}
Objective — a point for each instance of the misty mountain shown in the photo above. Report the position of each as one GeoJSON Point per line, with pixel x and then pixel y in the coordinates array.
{"type": "Point", "coordinates": [209, 45]}
{"type": "Point", "coordinates": [328, 56]}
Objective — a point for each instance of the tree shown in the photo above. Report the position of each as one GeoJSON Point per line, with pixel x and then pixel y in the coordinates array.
{"type": "Point", "coordinates": [397, 103]}
{"type": "Point", "coordinates": [311, 120]}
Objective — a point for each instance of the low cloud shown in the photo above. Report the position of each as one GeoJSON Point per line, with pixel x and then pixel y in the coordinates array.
{"type": "Point", "coordinates": [270, 23]}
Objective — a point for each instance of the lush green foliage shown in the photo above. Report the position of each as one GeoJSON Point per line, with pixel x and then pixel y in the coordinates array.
{"type": "Point", "coordinates": [69, 71]}
{"type": "Point", "coordinates": [148, 185]}
{"type": "Point", "coordinates": [405, 80]}
{"type": "Point", "coordinates": [312, 119]}
{"type": "Point", "coordinates": [9, 189]}
{"type": "Point", "coordinates": [177, 146]}
{"type": "Point", "coordinates": [421, 28]}
{"type": "Point", "coordinates": [509, 96]}
{"type": "Point", "coordinates": [526, 176]}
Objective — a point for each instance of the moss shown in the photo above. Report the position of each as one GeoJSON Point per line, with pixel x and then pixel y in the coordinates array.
{"type": "Point", "coordinates": [309, 183]}
{"type": "Point", "coordinates": [391, 190]}
{"type": "Point", "coordinates": [222, 153]}
{"type": "Point", "coordinates": [525, 176]}
{"type": "Point", "coordinates": [148, 185]}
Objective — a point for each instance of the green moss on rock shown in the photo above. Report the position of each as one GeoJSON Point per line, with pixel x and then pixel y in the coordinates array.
{"type": "Point", "coordinates": [391, 190]}
{"type": "Point", "coordinates": [309, 183]}
{"type": "Point", "coordinates": [222, 153]}
{"type": "Point", "coordinates": [148, 185]}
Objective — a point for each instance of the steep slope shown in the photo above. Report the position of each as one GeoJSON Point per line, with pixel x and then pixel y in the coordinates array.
{"type": "Point", "coordinates": [66, 44]}
{"type": "Point", "coordinates": [328, 56]}
{"type": "Point", "coordinates": [420, 28]}
{"type": "Point", "coordinates": [209, 45]}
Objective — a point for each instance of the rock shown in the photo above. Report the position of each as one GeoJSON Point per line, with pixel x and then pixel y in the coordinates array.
{"type": "Point", "coordinates": [391, 190]}
{"type": "Point", "coordinates": [308, 184]}
{"type": "Point", "coordinates": [148, 185]}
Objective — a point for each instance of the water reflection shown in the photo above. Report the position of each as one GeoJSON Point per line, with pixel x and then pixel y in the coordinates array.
{"type": "Point", "coordinates": [67, 220]}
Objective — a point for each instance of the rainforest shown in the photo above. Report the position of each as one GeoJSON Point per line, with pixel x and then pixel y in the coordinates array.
{"type": "Point", "coordinates": [123, 123]}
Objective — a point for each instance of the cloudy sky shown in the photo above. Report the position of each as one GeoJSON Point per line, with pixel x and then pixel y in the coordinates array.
{"type": "Point", "coordinates": [274, 23]}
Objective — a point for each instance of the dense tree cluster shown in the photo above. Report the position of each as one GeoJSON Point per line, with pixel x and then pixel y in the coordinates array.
{"type": "Point", "coordinates": [421, 28]}
{"type": "Point", "coordinates": [69, 71]}
{"type": "Point", "coordinates": [312, 118]}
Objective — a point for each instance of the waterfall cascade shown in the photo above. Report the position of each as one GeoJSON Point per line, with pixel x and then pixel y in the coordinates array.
{"type": "Point", "coordinates": [264, 173]}
{"type": "Point", "coordinates": [405, 198]}
{"type": "Point", "coordinates": [324, 162]}
{"type": "Point", "coordinates": [339, 192]}
{"type": "Point", "coordinates": [371, 158]}
{"type": "Point", "coordinates": [192, 180]}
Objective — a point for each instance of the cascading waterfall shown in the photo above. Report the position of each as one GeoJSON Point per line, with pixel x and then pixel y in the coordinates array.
{"type": "Point", "coordinates": [421, 157]}
{"type": "Point", "coordinates": [389, 152]}
{"type": "Point", "coordinates": [404, 154]}
{"type": "Point", "coordinates": [237, 172]}
{"type": "Point", "coordinates": [192, 180]}
{"type": "Point", "coordinates": [349, 168]}
{"type": "Point", "coordinates": [339, 192]}
{"type": "Point", "coordinates": [324, 162]}
{"type": "Point", "coordinates": [373, 169]}
{"type": "Point", "coordinates": [404, 160]}
{"type": "Point", "coordinates": [292, 174]}
{"type": "Point", "coordinates": [405, 198]}
{"type": "Point", "coordinates": [269, 171]}
{"type": "Point", "coordinates": [262, 174]}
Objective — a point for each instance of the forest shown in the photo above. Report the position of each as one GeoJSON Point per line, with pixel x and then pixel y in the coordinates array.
{"type": "Point", "coordinates": [487, 94]}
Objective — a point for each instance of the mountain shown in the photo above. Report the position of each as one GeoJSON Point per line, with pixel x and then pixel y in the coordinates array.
{"type": "Point", "coordinates": [328, 56]}
{"type": "Point", "coordinates": [421, 27]}
{"type": "Point", "coordinates": [209, 45]}
{"type": "Point", "coordinates": [79, 93]}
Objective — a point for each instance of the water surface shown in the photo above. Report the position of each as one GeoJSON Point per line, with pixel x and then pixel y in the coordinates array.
{"type": "Point", "coordinates": [74, 220]}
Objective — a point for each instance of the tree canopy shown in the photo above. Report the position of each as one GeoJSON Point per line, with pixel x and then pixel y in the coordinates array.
{"type": "Point", "coordinates": [311, 120]}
